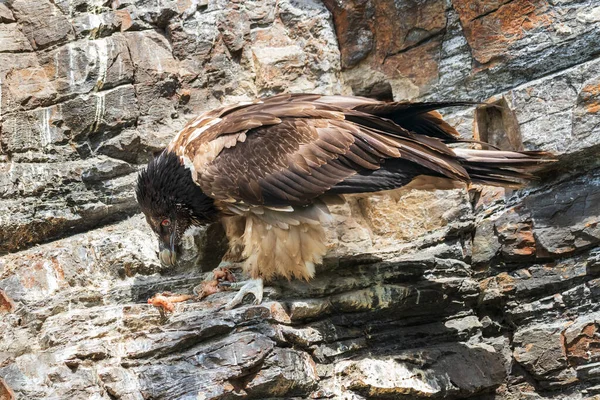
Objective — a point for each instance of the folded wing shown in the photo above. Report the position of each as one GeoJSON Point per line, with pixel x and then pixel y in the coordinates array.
{"type": "Point", "coordinates": [290, 149]}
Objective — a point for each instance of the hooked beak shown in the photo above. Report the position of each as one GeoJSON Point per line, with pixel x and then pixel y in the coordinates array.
{"type": "Point", "coordinates": [167, 254]}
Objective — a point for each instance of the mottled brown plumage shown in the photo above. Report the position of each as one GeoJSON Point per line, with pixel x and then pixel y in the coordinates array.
{"type": "Point", "coordinates": [293, 148]}
{"type": "Point", "coordinates": [267, 164]}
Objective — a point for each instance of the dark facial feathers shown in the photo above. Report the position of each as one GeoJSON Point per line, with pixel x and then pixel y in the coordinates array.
{"type": "Point", "coordinates": [166, 189]}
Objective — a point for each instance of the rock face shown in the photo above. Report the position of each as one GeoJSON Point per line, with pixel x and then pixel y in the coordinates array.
{"type": "Point", "coordinates": [483, 294]}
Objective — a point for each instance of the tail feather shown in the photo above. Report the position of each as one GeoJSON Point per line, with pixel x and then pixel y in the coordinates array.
{"type": "Point", "coordinates": [421, 136]}
{"type": "Point", "coordinates": [502, 168]}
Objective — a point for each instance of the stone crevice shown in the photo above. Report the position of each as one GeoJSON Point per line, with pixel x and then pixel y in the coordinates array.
{"type": "Point", "coordinates": [428, 39]}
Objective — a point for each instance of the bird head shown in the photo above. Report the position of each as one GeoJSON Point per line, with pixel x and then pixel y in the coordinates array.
{"type": "Point", "coordinates": [172, 203]}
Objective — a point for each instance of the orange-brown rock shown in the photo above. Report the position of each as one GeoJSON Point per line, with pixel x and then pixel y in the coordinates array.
{"type": "Point", "coordinates": [585, 347]}
{"type": "Point", "coordinates": [5, 392]}
{"type": "Point", "coordinates": [540, 350]}
{"type": "Point", "coordinates": [353, 25]}
{"type": "Point", "coordinates": [42, 22]}
{"type": "Point", "coordinates": [411, 23]}
{"type": "Point", "coordinates": [392, 35]}
{"type": "Point", "coordinates": [419, 64]}
{"type": "Point", "coordinates": [6, 304]}
{"type": "Point", "coordinates": [589, 97]}
{"type": "Point", "coordinates": [492, 27]}
{"type": "Point", "coordinates": [470, 10]}
{"type": "Point", "coordinates": [515, 233]}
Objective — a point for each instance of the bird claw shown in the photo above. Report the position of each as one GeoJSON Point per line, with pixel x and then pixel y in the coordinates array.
{"type": "Point", "coordinates": [252, 286]}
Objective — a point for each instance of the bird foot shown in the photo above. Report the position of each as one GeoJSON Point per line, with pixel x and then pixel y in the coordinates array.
{"type": "Point", "coordinates": [252, 286]}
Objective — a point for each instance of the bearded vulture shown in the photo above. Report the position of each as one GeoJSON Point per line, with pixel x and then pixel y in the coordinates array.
{"type": "Point", "coordinates": [263, 169]}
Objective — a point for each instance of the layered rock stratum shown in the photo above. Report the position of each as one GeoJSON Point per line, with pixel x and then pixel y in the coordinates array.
{"type": "Point", "coordinates": [483, 293]}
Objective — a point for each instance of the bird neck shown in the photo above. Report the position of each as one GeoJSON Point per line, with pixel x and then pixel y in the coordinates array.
{"type": "Point", "coordinates": [179, 185]}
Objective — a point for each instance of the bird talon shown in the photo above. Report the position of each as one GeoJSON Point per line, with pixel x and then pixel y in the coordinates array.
{"type": "Point", "coordinates": [253, 286]}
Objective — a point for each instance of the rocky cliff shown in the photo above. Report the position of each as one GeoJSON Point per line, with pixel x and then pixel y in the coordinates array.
{"type": "Point", "coordinates": [487, 293]}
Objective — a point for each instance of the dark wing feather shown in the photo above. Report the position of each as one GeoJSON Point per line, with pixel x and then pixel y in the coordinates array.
{"type": "Point", "coordinates": [277, 165]}
{"type": "Point", "coordinates": [305, 148]}
{"type": "Point", "coordinates": [420, 118]}
{"type": "Point", "coordinates": [291, 148]}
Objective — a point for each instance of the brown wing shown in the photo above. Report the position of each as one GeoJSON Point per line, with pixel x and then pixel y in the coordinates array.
{"type": "Point", "coordinates": [420, 118]}
{"type": "Point", "coordinates": [290, 149]}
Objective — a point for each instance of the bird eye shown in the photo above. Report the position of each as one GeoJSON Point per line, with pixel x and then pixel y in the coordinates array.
{"type": "Point", "coordinates": [165, 222]}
